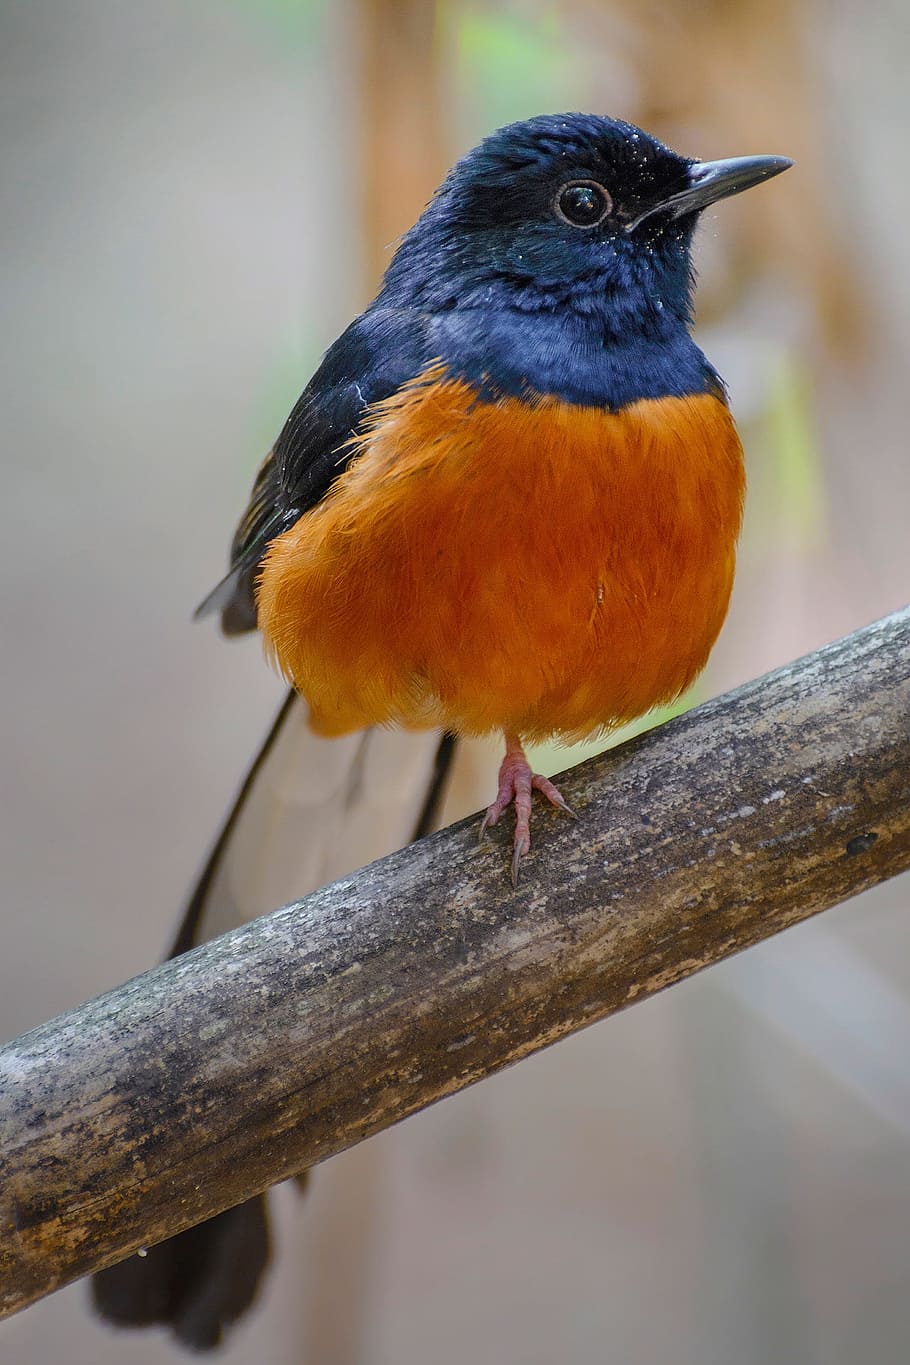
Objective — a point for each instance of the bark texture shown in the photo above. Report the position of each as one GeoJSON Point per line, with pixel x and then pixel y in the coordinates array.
{"type": "Point", "coordinates": [203, 1081]}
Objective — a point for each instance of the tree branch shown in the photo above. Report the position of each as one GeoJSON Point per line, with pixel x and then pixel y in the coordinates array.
{"type": "Point", "coordinates": [204, 1081]}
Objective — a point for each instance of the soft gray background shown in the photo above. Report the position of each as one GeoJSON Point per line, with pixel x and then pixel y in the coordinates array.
{"type": "Point", "coordinates": [720, 1175]}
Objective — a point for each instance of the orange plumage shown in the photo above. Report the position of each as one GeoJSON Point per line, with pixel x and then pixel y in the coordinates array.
{"type": "Point", "coordinates": [529, 566]}
{"type": "Point", "coordinates": [533, 533]}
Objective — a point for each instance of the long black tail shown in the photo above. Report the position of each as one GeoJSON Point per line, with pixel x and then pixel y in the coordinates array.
{"type": "Point", "coordinates": [197, 1283]}
{"type": "Point", "coordinates": [203, 1280]}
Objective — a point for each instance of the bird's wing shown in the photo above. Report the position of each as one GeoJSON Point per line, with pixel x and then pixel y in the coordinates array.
{"type": "Point", "coordinates": [381, 350]}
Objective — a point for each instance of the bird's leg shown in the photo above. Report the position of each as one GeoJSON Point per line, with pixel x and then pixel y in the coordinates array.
{"type": "Point", "coordinates": [517, 783]}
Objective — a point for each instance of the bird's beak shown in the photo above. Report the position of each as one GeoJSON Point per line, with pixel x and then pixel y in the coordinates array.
{"type": "Point", "coordinates": [709, 181]}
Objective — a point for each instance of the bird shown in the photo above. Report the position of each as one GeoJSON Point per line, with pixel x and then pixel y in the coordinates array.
{"type": "Point", "coordinates": [507, 502]}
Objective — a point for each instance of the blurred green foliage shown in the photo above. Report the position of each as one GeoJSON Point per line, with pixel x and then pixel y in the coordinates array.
{"type": "Point", "coordinates": [553, 758]}
{"type": "Point", "coordinates": [283, 380]}
{"type": "Point", "coordinates": [798, 471]}
{"type": "Point", "coordinates": [509, 64]}
{"type": "Point", "coordinates": [293, 21]}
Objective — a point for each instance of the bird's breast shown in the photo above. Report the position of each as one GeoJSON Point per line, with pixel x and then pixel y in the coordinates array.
{"type": "Point", "coordinates": [528, 565]}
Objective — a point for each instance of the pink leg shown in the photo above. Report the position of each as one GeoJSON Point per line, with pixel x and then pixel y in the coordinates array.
{"type": "Point", "coordinates": [517, 783]}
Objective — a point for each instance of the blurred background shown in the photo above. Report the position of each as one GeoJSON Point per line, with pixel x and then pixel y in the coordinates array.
{"type": "Point", "coordinates": [197, 198]}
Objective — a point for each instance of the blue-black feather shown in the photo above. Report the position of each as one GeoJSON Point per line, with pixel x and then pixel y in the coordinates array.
{"type": "Point", "coordinates": [511, 298]}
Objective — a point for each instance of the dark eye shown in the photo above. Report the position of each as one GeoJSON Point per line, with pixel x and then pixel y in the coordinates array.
{"type": "Point", "coordinates": [583, 203]}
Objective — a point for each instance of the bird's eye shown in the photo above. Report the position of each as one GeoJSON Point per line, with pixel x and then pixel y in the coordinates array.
{"type": "Point", "coordinates": [583, 203]}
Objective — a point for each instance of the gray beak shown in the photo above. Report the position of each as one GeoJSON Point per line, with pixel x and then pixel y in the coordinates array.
{"type": "Point", "coordinates": [713, 180]}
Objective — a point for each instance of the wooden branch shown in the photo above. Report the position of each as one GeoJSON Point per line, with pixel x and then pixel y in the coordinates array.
{"type": "Point", "coordinates": [215, 1075]}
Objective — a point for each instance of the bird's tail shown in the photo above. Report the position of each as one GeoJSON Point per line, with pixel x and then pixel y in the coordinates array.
{"type": "Point", "coordinates": [309, 811]}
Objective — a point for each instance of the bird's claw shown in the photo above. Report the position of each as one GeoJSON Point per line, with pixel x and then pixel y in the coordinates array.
{"type": "Point", "coordinates": [516, 785]}
{"type": "Point", "coordinates": [553, 795]}
{"type": "Point", "coordinates": [520, 849]}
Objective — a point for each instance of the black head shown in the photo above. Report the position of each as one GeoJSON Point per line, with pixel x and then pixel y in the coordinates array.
{"type": "Point", "coordinates": [567, 211]}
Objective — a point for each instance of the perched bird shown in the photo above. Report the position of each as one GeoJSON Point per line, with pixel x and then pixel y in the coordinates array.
{"type": "Point", "coordinates": [507, 501]}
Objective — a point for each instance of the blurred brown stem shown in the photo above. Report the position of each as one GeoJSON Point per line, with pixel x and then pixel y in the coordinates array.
{"type": "Point", "coordinates": [403, 155]}
{"type": "Point", "coordinates": [204, 1081]}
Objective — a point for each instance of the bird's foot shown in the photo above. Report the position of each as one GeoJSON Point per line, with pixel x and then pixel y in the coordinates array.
{"type": "Point", "coordinates": [517, 783]}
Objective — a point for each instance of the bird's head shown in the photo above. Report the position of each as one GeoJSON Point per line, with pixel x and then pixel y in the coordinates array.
{"type": "Point", "coordinates": [568, 211]}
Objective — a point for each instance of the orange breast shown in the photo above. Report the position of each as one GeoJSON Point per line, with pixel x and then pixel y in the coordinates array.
{"type": "Point", "coordinates": [536, 567]}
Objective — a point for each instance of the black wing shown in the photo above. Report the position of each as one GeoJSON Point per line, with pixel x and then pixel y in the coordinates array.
{"type": "Point", "coordinates": [382, 350]}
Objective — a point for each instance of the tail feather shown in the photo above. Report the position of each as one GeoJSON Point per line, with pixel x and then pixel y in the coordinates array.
{"type": "Point", "coordinates": [309, 811]}
{"type": "Point", "coordinates": [193, 929]}
{"type": "Point", "coordinates": [197, 1284]}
